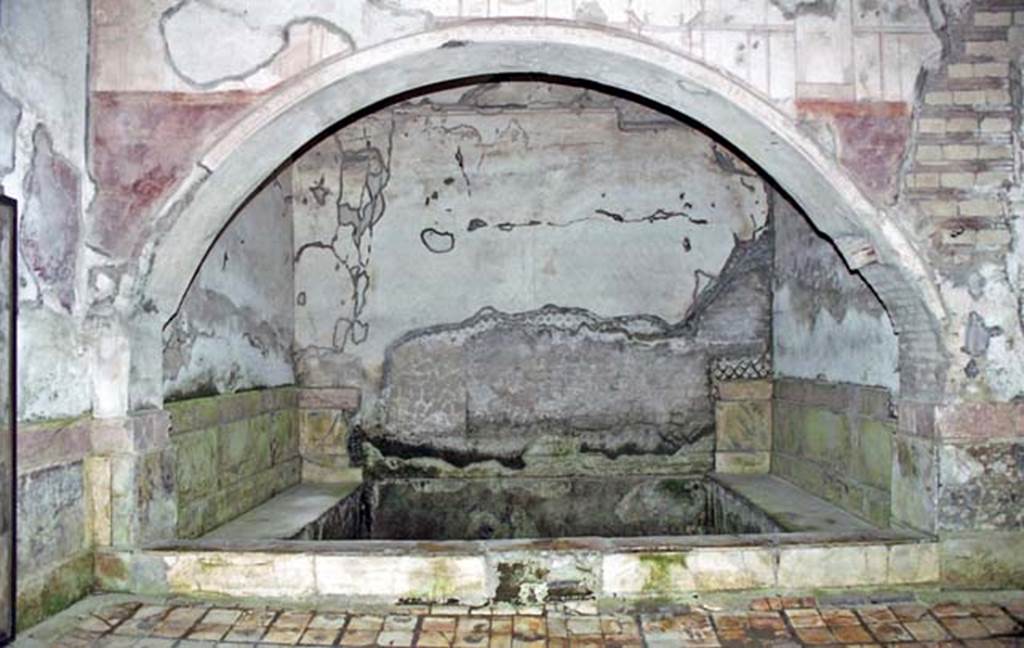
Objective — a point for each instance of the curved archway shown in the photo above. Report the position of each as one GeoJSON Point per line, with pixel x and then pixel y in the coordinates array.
{"type": "Point", "coordinates": [298, 111]}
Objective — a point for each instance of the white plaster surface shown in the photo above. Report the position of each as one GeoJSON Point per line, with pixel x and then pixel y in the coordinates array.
{"type": "Point", "coordinates": [826, 323]}
{"type": "Point", "coordinates": [43, 54]}
{"type": "Point", "coordinates": [235, 327]}
{"type": "Point", "coordinates": [596, 216]}
{"type": "Point", "coordinates": [152, 45]}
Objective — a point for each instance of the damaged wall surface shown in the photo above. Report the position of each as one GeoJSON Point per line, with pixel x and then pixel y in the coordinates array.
{"type": "Point", "coordinates": [527, 269]}
{"type": "Point", "coordinates": [43, 103]}
{"type": "Point", "coordinates": [235, 326]}
{"type": "Point", "coordinates": [109, 112]}
{"type": "Point", "coordinates": [826, 322]}
{"type": "Point", "coordinates": [507, 196]}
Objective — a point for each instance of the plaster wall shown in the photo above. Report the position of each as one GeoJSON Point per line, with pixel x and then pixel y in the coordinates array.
{"type": "Point", "coordinates": [826, 322]}
{"type": "Point", "coordinates": [517, 271]}
{"type": "Point", "coordinates": [235, 326]}
{"type": "Point", "coordinates": [505, 196]}
{"type": "Point", "coordinates": [43, 104]}
{"type": "Point", "coordinates": [43, 95]}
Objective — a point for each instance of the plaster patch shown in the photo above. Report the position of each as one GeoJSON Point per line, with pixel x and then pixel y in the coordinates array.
{"type": "Point", "coordinates": [10, 116]}
{"type": "Point", "coordinates": [49, 228]}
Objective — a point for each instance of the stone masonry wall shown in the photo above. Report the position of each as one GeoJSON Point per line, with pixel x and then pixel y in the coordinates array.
{"type": "Point", "coordinates": [231, 453]}
{"type": "Point", "coordinates": [835, 440]}
{"type": "Point", "coordinates": [54, 541]}
{"type": "Point", "coordinates": [324, 421]}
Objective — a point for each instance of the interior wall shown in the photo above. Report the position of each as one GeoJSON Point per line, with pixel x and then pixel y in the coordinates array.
{"type": "Point", "coordinates": [827, 323]}
{"type": "Point", "coordinates": [517, 271]}
{"type": "Point", "coordinates": [836, 374]}
{"type": "Point", "coordinates": [235, 327]}
{"type": "Point", "coordinates": [44, 50]}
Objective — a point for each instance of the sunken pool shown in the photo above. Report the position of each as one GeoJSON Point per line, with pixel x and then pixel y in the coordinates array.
{"type": "Point", "coordinates": [504, 509]}
{"type": "Point", "coordinates": [557, 541]}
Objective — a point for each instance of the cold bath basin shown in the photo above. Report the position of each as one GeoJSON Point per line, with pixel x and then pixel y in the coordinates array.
{"type": "Point", "coordinates": [725, 533]}
{"type": "Point", "coordinates": [503, 509]}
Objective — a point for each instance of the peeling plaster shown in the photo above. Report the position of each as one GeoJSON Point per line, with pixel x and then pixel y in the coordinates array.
{"type": "Point", "coordinates": [234, 329]}
{"type": "Point", "coordinates": [827, 324]}
{"type": "Point", "coordinates": [446, 192]}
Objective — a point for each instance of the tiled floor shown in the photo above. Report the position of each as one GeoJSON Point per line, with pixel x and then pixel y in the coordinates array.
{"type": "Point", "coordinates": [767, 622]}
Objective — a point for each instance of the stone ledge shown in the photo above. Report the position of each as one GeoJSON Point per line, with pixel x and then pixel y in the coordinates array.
{"type": "Point", "coordinates": [286, 514]}
{"type": "Point", "coordinates": [791, 507]}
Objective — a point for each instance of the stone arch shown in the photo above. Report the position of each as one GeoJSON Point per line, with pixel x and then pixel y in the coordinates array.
{"type": "Point", "coordinates": [869, 239]}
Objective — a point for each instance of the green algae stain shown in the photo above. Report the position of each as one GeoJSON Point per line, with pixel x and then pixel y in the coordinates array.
{"type": "Point", "coordinates": [659, 570]}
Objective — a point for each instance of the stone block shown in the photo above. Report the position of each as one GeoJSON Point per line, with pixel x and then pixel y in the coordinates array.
{"type": "Point", "coordinates": [44, 594]}
{"type": "Point", "coordinates": [982, 560]}
{"type": "Point", "coordinates": [284, 436]}
{"type": "Point", "coordinates": [52, 443]}
{"type": "Point", "coordinates": [97, 500]}
{"type": "Point", "coordinates": [743, 463]}
{"type": "Point", "coordinates": [979, 421]}
{"type": "Point", "coordinates": [322, 431]}
{"type": "Point", "coordinates": [139, 433]}
{"type": "Point", "coordinates": [876, 403]}
{"type": "Point", "coordinates": [745, 390]}
{"type": "Point", "coordinates": [196, 463]}
{"type": "Point", "coordinates": [243, 450]}
{"type": "Point", "coordinates": [914, 483]}
{"type": "Point", "coordinates": [337, 398]}
{"type": "Point", "coordinates": [51, 517]}
{"type": "Point", "coordinates": [241, 574]}
{"type": "Point", "coordinates": [731, 569]}
{"type": "Point", "coordinates": [995, 49]}
{"type": "Point", "coordinates": [871, 462]}
{"type": "Point", "coordinates": [993, 18]}
{"type": "Point", "coordinates": [660, 573]}
{"type": "Point", "coordinates": [914, 563]}
{"type": "Point", "coordinates": [393, 578]}
{"type": "Point", "coordinates": [980, 208]}
{"type": "Point", "coordinates": [833, 566]}
{"type": "Point", "coordinates": [743, 425]}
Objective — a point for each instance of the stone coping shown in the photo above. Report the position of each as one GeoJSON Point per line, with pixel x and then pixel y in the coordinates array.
{"type": "Point", "coordinates": [646, 544]}
{"type": "Point", "coordinates": [839, 554]}
{"type": "Point", "coordinates": [791, 507]}
{"type": "Point", "coordinates": [286, 514]}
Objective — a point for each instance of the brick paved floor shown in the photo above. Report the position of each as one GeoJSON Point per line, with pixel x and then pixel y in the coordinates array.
{"type": "Point", "coordinates": [767, 622]}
